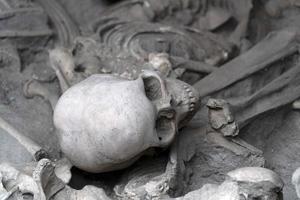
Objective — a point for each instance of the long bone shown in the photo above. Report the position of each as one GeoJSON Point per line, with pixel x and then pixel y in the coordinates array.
{"type": "Point", "coordinates": [38, 181]}
{"type": "Point", "coordinates": [32, 147]}
{"type": "Point", "coordinates": [8, 10]}
{"type": "Point", "coordinates": [275, 7]}
{"type": "Point", "coordinates": [279, 92]}
{"type": "Point", "coordinates": [66, 29]}
{"type": "Point", "coordinates": [34, 88]}
{"type": "Point", "coordinates": [65, 74]}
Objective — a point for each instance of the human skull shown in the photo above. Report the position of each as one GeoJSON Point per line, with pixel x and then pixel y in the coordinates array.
{"type": "Point", "coordinates": [105, 123]}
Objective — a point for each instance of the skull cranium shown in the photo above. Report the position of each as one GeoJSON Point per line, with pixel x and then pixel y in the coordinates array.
{"type": "Point", "coordinates": [105, 123]}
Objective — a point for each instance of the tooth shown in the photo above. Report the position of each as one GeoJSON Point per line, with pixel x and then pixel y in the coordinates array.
{"type": "Point", "coordinates": [186, 102]}
{"type": "Point", "coordinates": [193, 99]}
{"type": "Point", "coordinates": [188, 89]}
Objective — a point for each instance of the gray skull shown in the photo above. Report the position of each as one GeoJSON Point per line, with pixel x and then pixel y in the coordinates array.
{"type": "Point", "coordinates": [105, 123]}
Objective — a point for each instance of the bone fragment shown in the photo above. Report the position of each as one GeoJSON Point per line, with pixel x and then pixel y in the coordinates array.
{"type": "Point", "coordinates": [32, 147]}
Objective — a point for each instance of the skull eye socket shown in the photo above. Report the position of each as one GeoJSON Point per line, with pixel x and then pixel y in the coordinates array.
{"type": "Point", "coordinates": [152, 88]}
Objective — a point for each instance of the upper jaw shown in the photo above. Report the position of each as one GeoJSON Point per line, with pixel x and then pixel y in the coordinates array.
{"type": "Point", "coordinates": [185, 99]}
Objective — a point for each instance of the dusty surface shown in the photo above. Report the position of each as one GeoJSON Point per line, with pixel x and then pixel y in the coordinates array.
{"type": "Point", "coordinates": [277, 135]}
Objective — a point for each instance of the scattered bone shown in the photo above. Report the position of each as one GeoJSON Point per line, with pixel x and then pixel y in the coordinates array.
{"type": "Point", "coordinates": [147, 180]}
{"type": "Point", "coordinates": [208, 14]}
{"type": "Point", "coordinates": [194, 66]}
{"type": "Point", "coordinates": [221, 118]}
{"type": "Point", "coordinates": [275, 47]}
{"type": "Point", "coordinates": [19, 182]}
{"type": "Point", "coordinates": [275, 7]}
{"type": "Point", "coordinates": [256, 175]}
{"type": "Point", "coordinates": [159, 177]}
{"type": "Point", "coordinates": [5, 195]}
{"type": "Point", "coordinates": [46, 179]}
{"type": "Point", "coordinates": [63, 170]}
{"type": "Point", "coordinates": [131, 40]}
{"type": "Point", "coordinates": [66, 29]}
{"type": "Point", "coordinates": [15, 34]}
{"type": "Point", "coordinates": [34, 88]}
{"type": "Point", "coordinates": [13, 11]}
{"type": "Point", "coordinates": [9, 55]}
{"type": "Point", "coordinates": [296, 181]}
{"type": "Point", "coordinates": [28, 14]}
{"type": "Point", "coordinates": [263, 179]}
{"type": "Point", "coordinates": [213, 19]}
{"type": "Point", "coordinates": [243, 183]}
{"type": "Point", "coordinates": [296, 104]}
{"type": "Point", "coordinates": [239, 147]}
{"type": "Point", "coordinates": [36, 151]}
{"type": "Point", "coordinates": [63, 64]}
{"type": "Point", "coordinates": [161, 63]}
{"type": "Point", "coordinates": [41, 183]}
{"type": "Point", "coordinates": [38, 183]}
{"type": "Point", "coordinates": [89, 192]}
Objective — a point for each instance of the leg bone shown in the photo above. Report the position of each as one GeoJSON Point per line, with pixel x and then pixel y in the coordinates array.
{"type": "Point", "coordinates": [281, 91]}
{"type": "Point", "coordinates": [34, 88]}
{"type": "Point", "coordinates": [32, 147]}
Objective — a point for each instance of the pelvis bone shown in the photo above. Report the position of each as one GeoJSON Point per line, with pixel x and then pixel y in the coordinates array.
{"type": "Point", "coordinates": [105, 122]}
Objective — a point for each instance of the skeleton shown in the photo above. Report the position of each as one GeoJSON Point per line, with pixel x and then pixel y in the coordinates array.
{"type": "Point", "coordinates": [200, 14]}
{"type": "Point", "coordinates": [32, 147]}
{"type": "Point", "coordinates": [279, 90]}
{"type": "Point", "coordinates": [182, 44]}
{"type": "Point", "coordinates": [20, 185]}
{"type": "Point", "coordinates": [66, 29]}
{"type": "Point", "coordinates": [296, 181]}
{"type": "Point", "coordinates": [167, 103]}
{"type": "Point", "coordinates": [243, 183]}
{"type": "Point", "coordinates": [73, 69]}
{"type": "Point", "coordinates": [12, 11]}
{"type": "Point", "coordinates": [133, 42]}
{"type": "Point", "coordinates": [221, 118]}
{"type": "Point", "coordinates": [114, 37]}
{"type": "Point", "coordinates": [67, 73]}
{"type": "Point", "coordinates": [39, 182]}
{"type": "Point", "coordinates": [145, 181]}
{"type": "Point", "coordinates": [65, 67]}
{"type": "Point", "coordinates": [163, 105]}
{"type": "Point", "coordinates": [274, 8]}
{"type": "Point", "coordinates": [16, 36]}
